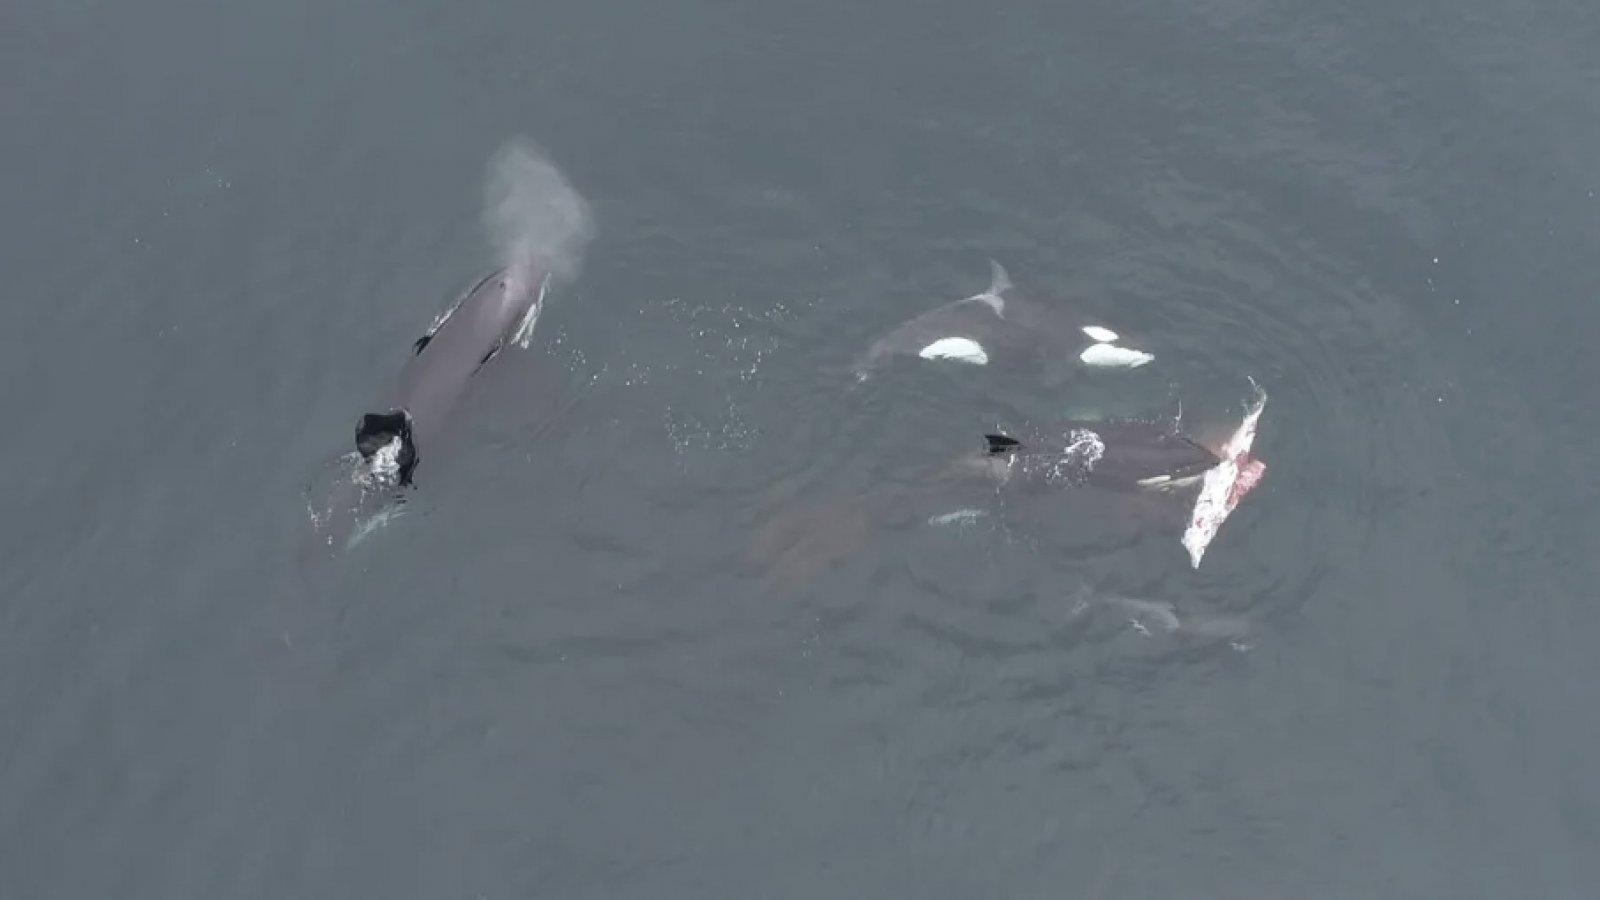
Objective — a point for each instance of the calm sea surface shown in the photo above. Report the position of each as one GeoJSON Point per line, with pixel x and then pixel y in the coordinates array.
{"type": "Point", "coordinates": [581, 666]}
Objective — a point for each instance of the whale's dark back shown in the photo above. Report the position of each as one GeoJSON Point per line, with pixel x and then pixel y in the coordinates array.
{"type": "Point", "coordinates": [1113, 454]}
{"type": "Point", "coordinates": [1138, 451]}
{"type": "Point", "coordinates": [443, 363]}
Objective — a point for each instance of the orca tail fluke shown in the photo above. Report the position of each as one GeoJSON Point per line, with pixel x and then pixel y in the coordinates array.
{"type": "Point", "coordinates": [999, 443]}
{"type": "Point", "coordinates": [385, 440]}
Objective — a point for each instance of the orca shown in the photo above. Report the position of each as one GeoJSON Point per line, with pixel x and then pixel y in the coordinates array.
{"type": "Point", "coordinates": [539, 226]}
{"type": "Point", "coordinates": [500, 309]}
{"type": "Point", "coordinates": [1135, 456]}
{"type": "Point", "coordinates": [1118, 455]}
{"type": "Point", "coordinates": [368, 488]}
{"type": "Point", "coordinates": [997, 325]}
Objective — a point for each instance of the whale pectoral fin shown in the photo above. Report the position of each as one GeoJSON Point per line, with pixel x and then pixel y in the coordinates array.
{"type": "Point", "coordinates": [999, 443]}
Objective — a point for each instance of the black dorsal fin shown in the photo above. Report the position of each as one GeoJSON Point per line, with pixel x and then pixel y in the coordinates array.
{"type": "Point", "coordinates": [999, 443]}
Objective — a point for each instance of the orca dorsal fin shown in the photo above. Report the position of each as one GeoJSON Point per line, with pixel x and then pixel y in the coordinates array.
{"type": "Point", "coordinates": [999, 443]}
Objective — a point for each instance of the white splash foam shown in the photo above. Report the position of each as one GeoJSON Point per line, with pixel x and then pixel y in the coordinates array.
{"type": "Point", "coordinates": [1110, 356]}
{"type": "Point", "coordinates": [958, 517]}
{"type": "Point", "coordinates": [524, 332]}
{"type": "Point", "coordinates": [1101, 334]}
{"type": "Point", "coordinates": [1225, 484]}
{"type": "Point", "coordinates": [384, 466]}
{"type": "Point", "coordinates": [1085, 447]}
{"type": "Point", "coordinates": [372, 523]}
{"type": "Point", "coordinates": [1167, 482]}
{"type": "Point", "coordinates": [959, 349]}
{"type": "Point", "coordinates": [441, 318]}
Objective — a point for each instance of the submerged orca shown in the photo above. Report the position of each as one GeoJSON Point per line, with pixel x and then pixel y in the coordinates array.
{"type": "Point", "coordinates": [997, 325]}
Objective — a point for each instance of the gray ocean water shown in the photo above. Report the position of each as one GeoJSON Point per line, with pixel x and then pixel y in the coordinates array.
{"type": "Point", "coordinates": [565, 672]}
